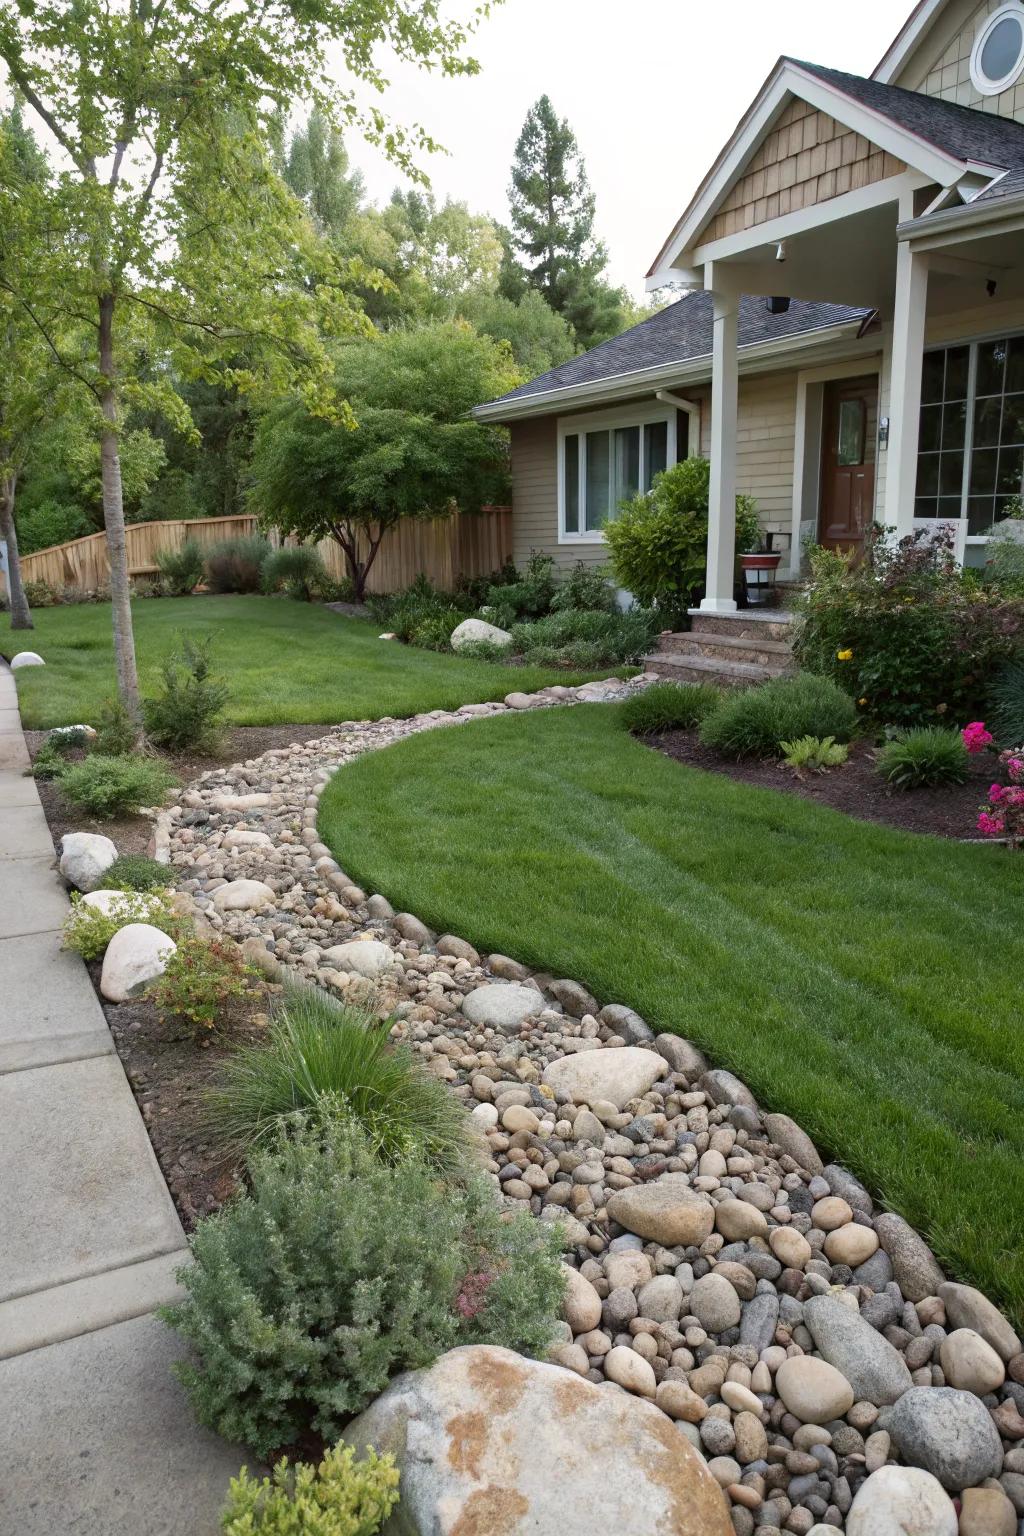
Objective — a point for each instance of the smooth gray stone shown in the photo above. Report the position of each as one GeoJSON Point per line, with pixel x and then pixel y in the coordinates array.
{"type": "Point", "coordinates": [949, 1433]}
{"type": "Point", "coordinates": [915, 1267]}
{"type": "Point", "coordinates": [842, 1182]}
{"type": "Point", "coordinates": [874, 1369]}
{"type": "Point", "coordinates": [760, 1319]}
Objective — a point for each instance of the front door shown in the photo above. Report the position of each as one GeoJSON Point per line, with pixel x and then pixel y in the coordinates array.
{"type": "Point", "coordinates": [849, 433]}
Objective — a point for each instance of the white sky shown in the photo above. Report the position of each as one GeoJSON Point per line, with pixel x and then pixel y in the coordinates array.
{"type": "Point", "coordinates": [652, 89]}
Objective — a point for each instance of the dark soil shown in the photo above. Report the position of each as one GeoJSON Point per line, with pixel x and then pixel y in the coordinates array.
{"type": "Point", "coordinates": [855, 788]}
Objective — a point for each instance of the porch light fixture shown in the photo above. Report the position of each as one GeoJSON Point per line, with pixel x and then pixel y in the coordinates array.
{"type": "Point", "coordinates": [997, 58]}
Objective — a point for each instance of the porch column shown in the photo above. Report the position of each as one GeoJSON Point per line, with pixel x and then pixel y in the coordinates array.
{"type": "Point", "coordinates": [722, 496]}
{"type": "Point", "coordinates": [905, 388]}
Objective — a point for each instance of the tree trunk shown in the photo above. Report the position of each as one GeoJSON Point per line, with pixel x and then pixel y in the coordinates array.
{"type": "Point", "coordinates": [348, 538]}
{"type": "Point", "coordinates": [113, 519]}
{"type": "Point", "coordinates": [21, 617]}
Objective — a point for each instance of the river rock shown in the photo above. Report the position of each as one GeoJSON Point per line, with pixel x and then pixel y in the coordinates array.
{"type": "Point", "coordinates": [85, 858]}
{"type": "Point", "coordinates": [737, 1220]}
{"type": "Point", "coordinates": [630, 1370]}
{"type": "Point", "coordinates": [576, 1000]}
{"type": "Point", "coordinates": [26, 659]}
{"type": "Point", "coordinates": [502, 1005]}
{"type": "Point", "coordinates": [622, 1021]}
{"type": "Point", "coordinates": [582, 1305]}
{"type": "Point", "coordinates": [814, 1391]}
{"type": "Point", "coordinates": [914, 1266]}
{"type": "Point", "coordinates": [987, 1512]}
{"type": "Point", "coordinates": [134, 958]}
{"type": "Point", "coordinates": [471, 631]}
{"type": "Point", "coordinates": [789, 1138]}
{"type": "Point", "coordinates": [968, 1308]}
{"type": "Point", "coordinates": [714, 1303]}
{"type": "Point", "coordinates": [665, 1212]}
{"type": "Point", "coordinates": [852, 1245]}
{"type": "Point", "coordinates": [661, 1299]}
{"type": "Point", "coordinates": [723, 1087]}
{"type": "Point", "coordinates": [760, 1319]}
{"type": "Point", "coordinates": [842, 1182]}
{"type": "Point", "coordinates": [680, 1054]}
{"type": "Point", "coordinates": [876, 1371]}
{"type": "Point", "coordinates": [243, 896]}
{"type": "Point", "coordinates": [901, 1501]}
{"type": "Point", "coordinates": [949, 1433]}
{"type": "Point", "coordinates": [613, 1075]}
{"type": "Point", "coordinates": [368, 958]}
{"type": "Point", "coordinates": [488, 1442]}
{"type": "Point", "coordinates": [970, 1363]}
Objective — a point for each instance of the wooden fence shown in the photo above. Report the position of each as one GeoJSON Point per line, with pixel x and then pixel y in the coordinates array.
{"type": "Point", "coordinates": [443, 549]}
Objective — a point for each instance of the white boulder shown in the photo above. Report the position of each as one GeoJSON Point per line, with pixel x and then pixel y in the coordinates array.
{"type": "Point", "coordinates": [901, 1501]}
{"type": "Point", "coordinates": [135, 957]}
{"type": "Point", "coordinates": [242, 896]}
{"type": "Point", "coordinates": [471, 631]}
{"type": "Point", "coordinates": [85, 858]}
{"type": "Point", "coordinates": [26, 659]}
{"type": "Point", "coordinates": [502, 1005]}
{"type": "Point", "coordinates": [616, 1076]}
{"type": "Point", "coordinates": [362, 957]}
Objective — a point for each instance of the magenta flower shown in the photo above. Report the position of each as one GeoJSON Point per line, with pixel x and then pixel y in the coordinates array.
{"type": "Point", "coordinates": [990, 826]}
{"type": "Point", "coordinates": [976, 737]}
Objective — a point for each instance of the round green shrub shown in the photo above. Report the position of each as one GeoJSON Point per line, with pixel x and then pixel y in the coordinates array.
{"type": "Point", "coordinates": [924, 757]}
{"type": "Point", "coordinates": [669, 707]}
{"type": "Point", "coordinates": [299, 569]}
{"type": "Point", "coordinates": [134, 872]}
{"type": "Point", "coordinates": [753, 722]}
{"type": "Point", "coordinates": [115, 786]}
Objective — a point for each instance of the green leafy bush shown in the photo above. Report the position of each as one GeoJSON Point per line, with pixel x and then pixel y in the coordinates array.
{"type": "Point", "coordinates": [658, 542]}
{"type": "Point", "coordinates": [88, 931]}
{"type": "Point", "coordinates": [924, 757]}
{"type": "Point", "coordinates": [669, 707]}
{"type": "Point", "coordinates": [813, 754]}
{"type": "Point", "coordinates": [325, 1058]}
{"type": "Point", "coordinates": [434, 633]}
{"type": "Point", "coordinates": [906, 633]}
{"type": "Point", "coordinates": [340, 1497]}
{"type": "Point", "coordinates": [134, 872]}
{"type": "Point", "coordinates": [181, 570]}
{"type": "Point", "coordinates": [417, 606]}
{"type": "Point", "coordinates": [200, 978]}
{"type": "Point", "coordinates": [299, 570]}
{"type": "Point", "coordinates": [334, 1272]}
{"type": "Point", "coordinates": [236, 565]}
{"type": "Point", "coordinates": [607, 639]}
{"type": "Point", "coordinates": [754, 722]}
{"type": "Point", "coordinates": [1008, 702]}
{"type": "Point", "coordinates": [532, 595]}
{"type": "Point", "coordinates": [50, 523]}
{"type": "Point", "coordinates": [187, 712]}
{"type": "Point", "coordinates": [40, 594]}
{"type": "Point", "coordinates": [115, 786]}
{"type": "Point", "coordinates": [1004, 560]}
{"type": "Point", "coordinates": [586, 586]}
{"type": "Point", "coordinates": [117, 734]}
{"type": "Point", "coordinates": [52, 758]}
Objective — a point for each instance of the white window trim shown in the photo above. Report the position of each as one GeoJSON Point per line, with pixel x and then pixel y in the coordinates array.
{"type": "Point", "coordinates": [597, 421]}
{"type": "Point", "coordinates": [979, 79]}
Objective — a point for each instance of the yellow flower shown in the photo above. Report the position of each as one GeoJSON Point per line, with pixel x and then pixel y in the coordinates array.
{"type": "Point", "coordinates": [862, 702]}
{"type": "Point", "coordinates": [844, 655]}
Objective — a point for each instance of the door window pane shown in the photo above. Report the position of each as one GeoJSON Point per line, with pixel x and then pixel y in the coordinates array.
{"type": "Point", "coordinates": [627, 465]}
{"type": "Point", "coordinates": [958, 361]}
{"type": "Point", "coordinates": [951, 474]}
{"type": "Point", "coordinates": [597, 479]}
{"type": "Point", "coordinates": [933, 372]}
{"type": "Point", "coordinates": [928, 474]}
{"type": "Point", "coordinates": [954, 422]}
{"type": "Point", "coordinates": [655, 450]}
{"type": "Point", "coordinates": [1015, 365]}
{"type": "Point", "coordinates": [1012, 429]}
{"type": "Point", "coordinates": [986, 422]}
{"type": "Point", "coordinates": [571, 494]}
{"type": "Point", "coordinates": [930, 439]}
{"type": "Point", "coordinates": [850, 449]}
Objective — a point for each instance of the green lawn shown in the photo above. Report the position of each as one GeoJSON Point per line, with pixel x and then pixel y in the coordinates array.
{"type": "Point", "coordinates": [868, 982]}
{"type": "Point", "coordinates": [285, 662]}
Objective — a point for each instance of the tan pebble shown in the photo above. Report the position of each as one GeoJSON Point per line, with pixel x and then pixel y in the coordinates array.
{"type": "Point", "coordinates": [516, 1189]}
{"type": "Point", "coordinates": [676, 1398]}
{"type": "Point", "coordinates": [760, 1378]}
{"type": "Point", "coordinates": [737, 1221]}
{"type": "Point", "coordinates": [751, 1438]}
{"type": "Point", "coordinates": [518, 1118]}
{"type": "Point", "coordinates": [790, 1247]}
{"type": "Point", "coordinates": [852, 1244]}
{"type": "Point", "coordinates": [645, 1344]}
{"type": "Point", "coordinates": [582, 1305]}
{"type": "Point", "coordinates": [740, 1398]}
{"type": "Point", "coordinates": [749, 1498]}
{"type": "Point", "coordinates": [571, 1357]}
{"type": "Point", "coordinates": [830, 1213]}
{"type": "Point", "coordinates": [595, 1342]}
{"type": "Point", "coordinates": [630, 1370]}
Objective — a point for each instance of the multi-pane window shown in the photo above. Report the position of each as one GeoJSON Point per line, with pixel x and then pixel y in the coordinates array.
{"type": "Point", "coordinates": [606, 465]}
{"type": "Point", "coordinates": [971, 445]}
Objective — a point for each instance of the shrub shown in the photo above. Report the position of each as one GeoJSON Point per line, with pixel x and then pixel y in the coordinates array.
{"type": "Point", "coordinates": [1003, 816]}
{"type": "Point", "coordinates": [117, 733]}
{"type": "Point", "coordinates": [924, 757]}
{"type": "Point", "coordinates": [434, 632]}
{"type": "Point", "coordinates": [186, 713]}
{"type": "Point", "coordinates": [1008, 701]}
{"type": "Point", "coordinates": [754, 722]}
{"type": "Point", "coordinates": [40, 594]}
{"type": "Point", "coordinates": [532, 595]}
{"type": "Point", "coordinates": [658, 542]}
{"type": "Point", "coordinates": [413, 608]}
{"type": "Point", "coordinates": [669, 707]}
{"type": "Point", "coordinates": [586, 586]}
{"type": "Point", "coordinates": [50, 523]}
{"type": "Point", "coordinates": [200, 978]}
{"type": "Point", "coordinates": [334, 1272]}
{"type": "Point", "coordinates": [813, 754]}
{"type": "Point", "coordinates": [610, 638]}
{"type": "Point", "coordinates": [1004, 562]}
{"type": "Point", "coordinates": [181, 570]}
{"type": "Point", "coordinates": [236, 565]}
{"type": "Point", "coordinates": [325, 1058]}
{"type": "Point", "coordinates": [52, 758]}
{"type": "Point", "coordinates": [88, 931]}
{"type": "Point", "coordinates": [906, 633]}
{"type": "Point", "coordinates": [299, 570]}
{"type": "Point", "coordinates": [340, 1497]}
{"type": "Point", "coordinates": [134, 872]}
{"type": "Point", "coordinates": [115, 786]}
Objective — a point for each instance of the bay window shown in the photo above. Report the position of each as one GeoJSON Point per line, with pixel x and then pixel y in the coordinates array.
{"type": "Point", "coordinates": [603, 460]}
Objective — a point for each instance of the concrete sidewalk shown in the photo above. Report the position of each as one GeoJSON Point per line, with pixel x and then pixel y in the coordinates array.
{"type": "Point", "coordinates": [96, 1434]}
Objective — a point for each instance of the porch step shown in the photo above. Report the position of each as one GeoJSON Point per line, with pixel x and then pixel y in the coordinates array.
{"type": "Point", "coordinates": [748, 624]}
{"type": "Point", "coordinates": [676, 667]}
{"type": "Point", "coordinates": [761, 652]}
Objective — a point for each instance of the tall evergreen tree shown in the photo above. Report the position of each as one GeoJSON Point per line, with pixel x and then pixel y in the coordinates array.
{"type": "Point", "coordinates": [318, 170]}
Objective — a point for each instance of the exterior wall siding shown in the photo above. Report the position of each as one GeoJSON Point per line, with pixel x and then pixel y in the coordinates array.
{"type": "Point", "coordinates": [944, 69]}
{"type": "Point", "coordinates": [807, 158]}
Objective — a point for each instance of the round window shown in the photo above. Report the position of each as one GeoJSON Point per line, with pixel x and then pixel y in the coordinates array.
{"type": "Point", "coordinates": [998, 55]}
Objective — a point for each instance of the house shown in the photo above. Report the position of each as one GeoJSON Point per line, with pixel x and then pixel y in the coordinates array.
{"type": "Point", "coordinates": [851, 344]}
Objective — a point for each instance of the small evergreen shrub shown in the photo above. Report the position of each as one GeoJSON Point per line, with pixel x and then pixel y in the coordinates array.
{"type": "Point", "coordinates": [134, 872]}
{"type": "Point", "coordinates": [40, 594]}
{"type": "Point", "coordinates": [186, 715]}
{"type": "Point", "coordinates": [813, 754]}
{"type": "Point", "coordinates": [115, 786]}
{"type": "Point", "coordinates": [924, 757]}
{"type": "Point", "coordinates": [532, 595]}
{"type": "Point", "coordinates": [754, 722]}
{"type": "Point", "coordinates": [340, 1497]}
{"type": "Point", "coordinates": [200, 978]}
{"type": "Point", "coordinates": [88, 931]}
{"type": "Point", "coordinates": [669, 707]}
{"type": "Point", "coordinates": [117, 734]}
{"type": "Point", "coordinates": [586, 586]}
{"type": "Point", "coordinates": [49, 762]}
{"type": "Point", "coordinates": [236, 565]}
{"type": "Point", "coordinates": [328, 1059]}
{"type": "Point", "coordinates": [333, 1272]}
{"type": "Point", "coordinates": [1008, 701]}
{"type": "Point", "coordinates": [181, 570]}
{"type": "Point", "coordinates": [299, 570]}
{"type": "Point", "coordinates": [604, 639]}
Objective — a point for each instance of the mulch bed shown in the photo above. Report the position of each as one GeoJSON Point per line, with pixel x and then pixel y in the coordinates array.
{"type": "Point", "coordinates": [855, 788]}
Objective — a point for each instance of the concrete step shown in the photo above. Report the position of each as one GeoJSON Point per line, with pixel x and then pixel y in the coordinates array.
{"type": "Point", "coordinates": [763, 653]}
{"type": "Point", "coordinates": [678, 668]}
{"type": "Point", "coordinates": [773, 624]}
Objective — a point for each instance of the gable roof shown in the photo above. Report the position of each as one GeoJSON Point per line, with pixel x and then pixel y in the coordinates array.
{"type": "Point", "coordinates": [680, 333]}
{"type": "Point", "coordinates": [910, 34]}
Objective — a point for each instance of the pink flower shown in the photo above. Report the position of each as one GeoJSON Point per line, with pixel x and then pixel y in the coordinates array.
{"type": "Point", "coordinates": [990, 826]}
{"type": "Point", "coordinates": [995, 794]}
{"type": "Point", "coordinates": [976, 737]}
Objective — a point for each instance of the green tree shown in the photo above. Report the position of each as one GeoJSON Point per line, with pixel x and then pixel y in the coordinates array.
{"type": "Point", "coordinates": [551, 245]}
{"type": "Point", "coordinates": [318, 171]}
{"type": "Point", "coordinates": [167, 227]}
{"type": "Point", "coordinates": [413, 452]}
{"type": "Point", "coordinates": [539, 337]}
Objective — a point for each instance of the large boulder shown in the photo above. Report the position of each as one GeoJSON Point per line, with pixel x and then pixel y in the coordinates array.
{"type": "Point", "coordinates": [85, 858]}
{"type": "Point", "coordinates": [502, 1005]}
{"type": "Point", "coordinates": [901, 1501]}
{"type": "Point", "coordinates": [876, 1371]}
{"type": "Point", "coordinates": [616, 1075]}
{"type": "Point", "coordinates": [135, 957]}
{"type": "Point", "coordinates": [491, 1444]}
{"type": "Point", "coordinates": [26, 659]}
{"type": "Point", "coordinates": [243, 896]}
{"type": "Point", "coordinates": [472, 631]}
{"type": "Point", "coordinates": [666, 1212]}
{"type": "Point", "coordinates": [368, 958]}
{"type": "Point", "coordinates": [949, 1433]}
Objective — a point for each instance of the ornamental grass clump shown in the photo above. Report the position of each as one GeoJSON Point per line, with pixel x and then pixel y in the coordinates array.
{"type": "Point", "coordinates": [339, 1497]}
{"type": "Point", "coordinates": [333, 1272]}
{"type": "Point", "coordinates": [924, 757]}
{"type": "Point", "coordinates": [669, 707]}
{"type": "Point", "coordinates": [754, 722]}
{"type": "Point", "coordinates": [298, 569]}
{"type": "Point", "coordinates": [335, 1061]}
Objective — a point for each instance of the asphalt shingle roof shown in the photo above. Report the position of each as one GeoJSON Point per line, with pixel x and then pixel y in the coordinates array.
{"type": "Point", "coordinates": [680, 333]}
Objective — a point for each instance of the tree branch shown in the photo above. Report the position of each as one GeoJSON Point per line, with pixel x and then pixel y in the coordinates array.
{"type": "Point", "coordinates": [36, 102]}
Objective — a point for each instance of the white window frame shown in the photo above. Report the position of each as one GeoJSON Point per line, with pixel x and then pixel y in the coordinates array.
{"type": "Point", "coordinates": [979, 79]}
{"type": "Point", "coordinates": [606, 421]}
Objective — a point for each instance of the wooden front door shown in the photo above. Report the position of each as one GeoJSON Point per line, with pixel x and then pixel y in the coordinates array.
{"type": "Point", "coordinates": [848, 443]}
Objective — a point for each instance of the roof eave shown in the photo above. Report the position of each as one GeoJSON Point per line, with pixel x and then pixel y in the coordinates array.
{"type": "Point", "coordinates": [964, 214]}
